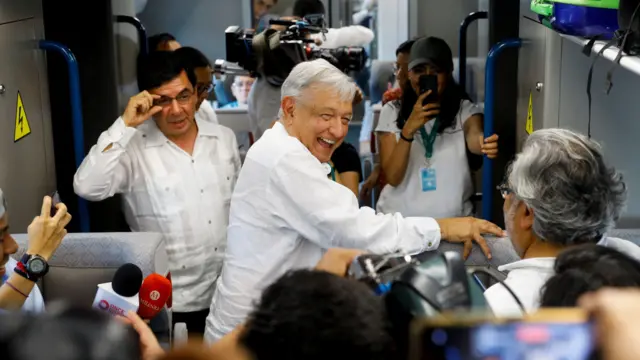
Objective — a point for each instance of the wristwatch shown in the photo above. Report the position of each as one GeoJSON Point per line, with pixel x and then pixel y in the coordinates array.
{"type": "Point", "coordinates": [32, 267]}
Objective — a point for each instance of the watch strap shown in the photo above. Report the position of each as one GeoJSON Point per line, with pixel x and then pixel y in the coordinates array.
{"type": "Point", "coordinates": [405, 138]}
{"type": "Point", "coordinates": [22, 268]}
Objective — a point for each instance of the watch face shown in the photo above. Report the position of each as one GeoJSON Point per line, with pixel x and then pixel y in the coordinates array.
{"type": "Point", "coordinates": [36, 266]}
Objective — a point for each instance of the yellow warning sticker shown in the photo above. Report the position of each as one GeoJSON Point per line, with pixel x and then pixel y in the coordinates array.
{"type": "Point", "coordinates": [22, 124]}
{"type": "Point", "coordinates": [529, 127]}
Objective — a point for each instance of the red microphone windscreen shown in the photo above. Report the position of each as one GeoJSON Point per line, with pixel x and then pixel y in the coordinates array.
{"type": "Point", "coordinates": [153, 295]}
{"type": "Point", "coordinates": [170, 299]}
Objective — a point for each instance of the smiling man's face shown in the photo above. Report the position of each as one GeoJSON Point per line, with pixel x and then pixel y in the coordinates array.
{"type": "Point", "coordinates": [319, 119]}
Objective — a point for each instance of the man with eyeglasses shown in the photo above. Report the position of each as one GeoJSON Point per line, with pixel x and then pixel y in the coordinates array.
{"type": "Point", "coordinates": [559, 192]}
{"type": "Point", "coordinates": [176, 173]}
{"type": "Point", "coordinates": [195, 60]}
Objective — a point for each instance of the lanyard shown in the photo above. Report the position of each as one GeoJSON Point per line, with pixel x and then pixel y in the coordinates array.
{"type": "Point", "coordinates": [331, 170]}
{"type": "Point", "coordinates": [429, 139]}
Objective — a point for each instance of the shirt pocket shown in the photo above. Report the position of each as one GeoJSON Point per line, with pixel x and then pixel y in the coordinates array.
{"type": "Point", "coordinates": [225, 174]}
{"type": "Point", "coordinates": [159, 197]}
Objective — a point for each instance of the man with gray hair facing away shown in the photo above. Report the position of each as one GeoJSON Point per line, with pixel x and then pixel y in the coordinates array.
{"type": "Point", "coordinates": [559, 193]}
{"type": "Point", "coordinates": [286, 210]}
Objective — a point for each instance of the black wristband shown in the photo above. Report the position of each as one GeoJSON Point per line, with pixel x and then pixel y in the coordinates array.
{"type": "Point", "coordinates": [405, 138]}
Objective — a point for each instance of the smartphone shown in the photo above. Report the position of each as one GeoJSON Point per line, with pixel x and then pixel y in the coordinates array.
{"type": "Point", "coordinates": [550, 334]}
{"type": "Point", "coordinates": [426, 83]}
{"type": "Point", "coordinates": [55, 200]}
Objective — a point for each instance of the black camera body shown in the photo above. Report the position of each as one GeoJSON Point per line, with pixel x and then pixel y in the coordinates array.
{"type": "Point", "coordinates": [273, 53]}
{"type": "Point", "coordinates": [415, 286]}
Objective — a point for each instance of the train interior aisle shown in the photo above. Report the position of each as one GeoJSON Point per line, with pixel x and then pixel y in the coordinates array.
{"type": "Point", "coordinates": [69, 69]}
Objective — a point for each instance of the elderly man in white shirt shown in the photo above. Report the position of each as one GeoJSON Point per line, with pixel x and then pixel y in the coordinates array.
{"type": "Point", "coordinates": [176, 174]}
{"type": "Point", "coordinates": [286, 211]}
{"type": "Point", "coordinates": [559, 193]}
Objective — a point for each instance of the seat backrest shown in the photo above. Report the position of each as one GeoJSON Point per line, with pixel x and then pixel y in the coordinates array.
{"type": "Point", "coordinates": [238, 121]}
{"type": "Point", "coordinates": [85, 260]}
{"type": "Point", "coordinates": [502, 252]}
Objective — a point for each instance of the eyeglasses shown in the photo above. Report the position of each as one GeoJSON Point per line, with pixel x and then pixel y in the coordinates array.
{"type": "Point", "coordinates": [504, 190]}
{"type": "Point", "coordinates": [182, 98]}
{"type": "Point", "coordinates": [202, 88]}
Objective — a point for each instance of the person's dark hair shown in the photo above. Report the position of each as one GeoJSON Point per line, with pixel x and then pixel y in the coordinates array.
{"type": "Point", "coordinates": [192, 57]}
{"type": "Point", "coordinates": [74, 333]}
{"type": "Point", "coordinates": [405, 47]}
{"type": "Point", "coordinates": [303, 8]}
{"type": "Point", "coordinates": [315, 315]}
{"type": "Point", "coordinates": [450, 100]}
{"type": "Point", "coordinates": [587, 268]}
{"type": "Point", "coordinates": [160, 67]}
{"type": "Point", "coordinates": [156, 40]}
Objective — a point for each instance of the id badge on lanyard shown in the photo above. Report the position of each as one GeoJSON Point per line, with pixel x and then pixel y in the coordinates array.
{"type": "Point", "coordinates": [428, 172]}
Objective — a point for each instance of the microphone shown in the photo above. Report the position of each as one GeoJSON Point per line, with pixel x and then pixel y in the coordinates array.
{"type": "Point", "coordinates": [154, 293]}
{"type": "Point", "coordinates": [119, 296]}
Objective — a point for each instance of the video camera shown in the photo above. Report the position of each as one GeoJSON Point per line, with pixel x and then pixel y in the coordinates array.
{"type": "Point", "coordinates": [273, 53]}
{"type": "Point", "coordinates": [428, 283]}
{"type": "Point", "coordinates": [418, 286]}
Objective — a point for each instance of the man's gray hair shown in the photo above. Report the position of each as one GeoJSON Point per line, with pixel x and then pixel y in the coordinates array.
{"type": "Point", "coordinates": [562, 176]}
{"type": "Point", "coordinates": [319, 72]}
{"type": "Point", "coordinates": [3, 204]}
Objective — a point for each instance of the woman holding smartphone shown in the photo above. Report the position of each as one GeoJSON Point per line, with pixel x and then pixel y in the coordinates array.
{"type": "Point", "coordinates": [426, 136]}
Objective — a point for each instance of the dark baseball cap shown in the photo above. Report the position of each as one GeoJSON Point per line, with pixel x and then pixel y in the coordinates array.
{"type": "Point", "coordinates": [431, 51]}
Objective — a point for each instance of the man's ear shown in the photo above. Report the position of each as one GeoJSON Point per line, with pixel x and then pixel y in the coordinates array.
{"type": "Point", "coordinates": [527, 218]}
{"type": "Point", "coordinates": [288, 106]}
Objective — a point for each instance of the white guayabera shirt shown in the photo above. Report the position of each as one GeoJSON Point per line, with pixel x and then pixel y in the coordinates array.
{"type": "Point", "coordinates": [184, 197]}
{"type": "Point", "coordinates": [285, 212]}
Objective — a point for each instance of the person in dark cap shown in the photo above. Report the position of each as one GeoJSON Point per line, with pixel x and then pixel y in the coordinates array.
{"type": "Point", "coordinates": [430, 176]}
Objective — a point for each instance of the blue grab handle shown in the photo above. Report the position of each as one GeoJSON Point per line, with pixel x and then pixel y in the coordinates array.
{"type": "Point", "coordinates": [76, 118]}
{"type": "Point", "coordinates": [489, 112]}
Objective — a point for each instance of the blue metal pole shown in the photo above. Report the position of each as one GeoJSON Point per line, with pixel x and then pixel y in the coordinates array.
{"type": "Point", "coordinates": [76, 117]}
{"type": "Point", "coordinates": [487, 168]}
{"type": "Point", "coordinates": [462, 53]}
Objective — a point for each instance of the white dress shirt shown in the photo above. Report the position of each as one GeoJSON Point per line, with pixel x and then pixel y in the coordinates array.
{"type": "Point", "coordinates": [207, 112]}
{"type": "Point", "coordinates": [166, 190]}
{"type": "Point", "coordinates": [527, 278]}
{"type": "Point", "coordinates": [285, 213]}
